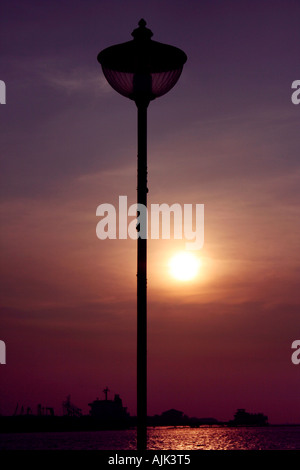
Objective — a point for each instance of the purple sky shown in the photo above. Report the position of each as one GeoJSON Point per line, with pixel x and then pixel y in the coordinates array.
{"type": "Point", "coordinates": [227, 136]}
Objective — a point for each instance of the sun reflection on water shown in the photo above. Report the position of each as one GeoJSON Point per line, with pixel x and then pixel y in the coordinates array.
{"type": "Point", "coordinates": [222, 438]}
{"type": "Point", "coordinates": [180, 439]}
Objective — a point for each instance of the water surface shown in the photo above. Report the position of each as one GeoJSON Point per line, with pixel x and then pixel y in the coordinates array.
{"type": "Point", "coordinates": [181, 438]}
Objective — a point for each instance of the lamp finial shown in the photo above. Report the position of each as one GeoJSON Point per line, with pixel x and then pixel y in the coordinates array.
{"type": "Point", "coordinates": [141, 33]}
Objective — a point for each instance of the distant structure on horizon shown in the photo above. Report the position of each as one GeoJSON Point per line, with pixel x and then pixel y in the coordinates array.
{"type": "Point", "coordinates": [109, 411]}
{"type": "Point", "coordinates": [69, 409]}
{"type": "Point", "coordinates": [243, 418]}
{"type": "Point", "coordinates": [104, 414]}
{"type": "Point", "coordinates": [174, 417]}
{"type": "Point", "coordinates": [111, 414]}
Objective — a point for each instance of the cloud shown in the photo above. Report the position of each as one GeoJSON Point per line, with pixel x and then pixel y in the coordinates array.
{"type": "Point", "coordinates": [79, 80]}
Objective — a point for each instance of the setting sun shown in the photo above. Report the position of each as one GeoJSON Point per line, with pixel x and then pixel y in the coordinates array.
{"type": "Point", "coordinates": [184, 266]}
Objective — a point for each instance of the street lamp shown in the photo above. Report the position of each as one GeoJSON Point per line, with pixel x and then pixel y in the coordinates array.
{"type": "Point", "coordinates": [142, 70]}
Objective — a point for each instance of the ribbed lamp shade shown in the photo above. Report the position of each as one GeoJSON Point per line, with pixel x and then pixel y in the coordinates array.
{"type": "Point", "coordinates": [142, 69]}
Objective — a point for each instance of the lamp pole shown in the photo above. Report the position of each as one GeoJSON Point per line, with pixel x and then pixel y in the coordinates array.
{"type": "Point", "coordinates": [142, 70]}
{"type": "Point", "coordinates": [142, 281]}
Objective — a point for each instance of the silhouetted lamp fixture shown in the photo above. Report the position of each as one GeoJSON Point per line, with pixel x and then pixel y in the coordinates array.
{"type": "Point", "coordinates": [142, 70]}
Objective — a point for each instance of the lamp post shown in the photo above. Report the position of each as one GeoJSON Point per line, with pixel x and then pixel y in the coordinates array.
{"type": "Point", "coordinates": [142, 70]}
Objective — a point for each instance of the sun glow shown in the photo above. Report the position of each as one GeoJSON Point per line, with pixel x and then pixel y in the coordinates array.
{"type": "Point", "coordinates": [184, 266]}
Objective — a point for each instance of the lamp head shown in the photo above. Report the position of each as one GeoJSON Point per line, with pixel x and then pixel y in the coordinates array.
{"type": "Point", "coordinates": [142, 69]}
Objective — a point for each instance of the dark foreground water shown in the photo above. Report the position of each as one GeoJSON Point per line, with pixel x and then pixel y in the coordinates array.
{"type": "Point", "coordinates": [213, 438]}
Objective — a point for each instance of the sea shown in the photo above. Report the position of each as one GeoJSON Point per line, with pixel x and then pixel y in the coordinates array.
{"type": "Point", "coordinates": [161, 439]}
